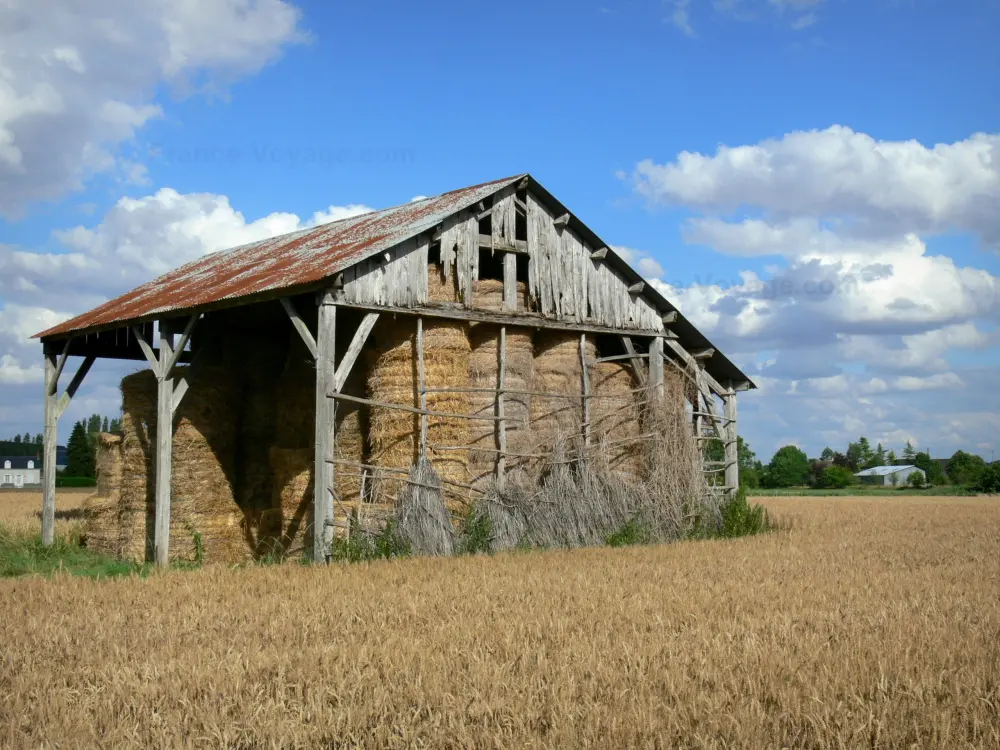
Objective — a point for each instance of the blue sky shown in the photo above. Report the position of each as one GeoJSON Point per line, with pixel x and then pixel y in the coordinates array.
{"type": "Point", "coordinates": [138, 136]}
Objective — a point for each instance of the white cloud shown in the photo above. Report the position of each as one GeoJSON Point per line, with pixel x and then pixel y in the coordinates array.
{"type": "Point", "coordinates": [855, 316]}
{"type": "Point", "coordinates": [680, 18]}
{"type": "Point", "coordinates": [13, 373]}
{"type": "Point", "coordinates": [77, 80]}
{"type": "Point", "coordinates": [894, 186]}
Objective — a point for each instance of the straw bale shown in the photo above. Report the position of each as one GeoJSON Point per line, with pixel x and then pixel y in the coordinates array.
{"type": "Point", "coordinates": [484, 365]}
{"type": "Point", "coordinates": [615, 416]}
{"type": "Point", "coordinates": [102, 527]}
{"type": "Point", "coordinates": [557, 370]}
{"type": "Point", "coordinates": [286, 527]}
{"type": "Point", "coordinates": [203, 506]}
{"type": "Point", "coordinates": [440, 289]}
{"type": "Point", "coordinates": [487, 294]}
{"type": "Point", "coordinates": [393, 378]}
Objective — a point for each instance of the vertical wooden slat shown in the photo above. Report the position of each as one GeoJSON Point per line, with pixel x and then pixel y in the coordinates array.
{"type": "Point", "coordinates": [49, 449]}
{"type": "Point", "coordinates": [323, 471]}
{"type": "Point", "coordinates": [732, 444]}
{"type": "Point", "coordinates": [422, 384]}
{"type": "Point", "coordinates": [509, 282]}
{"type": "Point", "coordinates": [164, 445]}
{"type": "Point", "coordinates": [501, 424]}
{"type": "Point", "coordinates": [656, 367]}
{"type": "Point", "coordinates": [585, 388]}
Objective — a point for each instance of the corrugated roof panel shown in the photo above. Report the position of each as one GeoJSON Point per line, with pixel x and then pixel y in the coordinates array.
{"type": "Point", "coordinates": [287, 261]}
{"type": "Point", "coordinates": [881, 471]}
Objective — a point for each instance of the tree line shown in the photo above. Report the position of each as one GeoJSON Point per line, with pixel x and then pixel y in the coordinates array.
{"type": "Point", "coordinates": [791, 467]}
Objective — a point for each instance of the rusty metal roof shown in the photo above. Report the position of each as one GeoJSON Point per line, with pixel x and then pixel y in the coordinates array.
{"type": "Point", "coordinates": [307, 257]}
{"type": "Point", "coordinates": [284, 262]}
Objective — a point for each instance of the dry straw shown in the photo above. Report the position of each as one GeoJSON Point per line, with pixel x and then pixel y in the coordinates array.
{"type": "Point", "coordinates": [102, 525]}
{"type": "Point", "coordinates": [558, 371]}
{"type": "Point", "coordinates": [204, 516]}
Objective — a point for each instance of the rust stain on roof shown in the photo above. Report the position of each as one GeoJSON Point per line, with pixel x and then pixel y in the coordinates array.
{"type": "Point", "coordinates": [289, 260]}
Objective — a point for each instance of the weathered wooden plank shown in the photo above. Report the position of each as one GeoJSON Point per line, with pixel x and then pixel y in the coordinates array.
{"type": "Point", "coordinates": [49, 448]}
{"type": "Point", "coordinates": [732, 443]}
{"type": "Point", "coordinates": [323, 470]}
{"type": "Point", "coordinates": [585, 388]}
{"type": "Point", "coordinates": [303, 330]}
{"type": "Point", "coordinates": [164, 448]}
{"type": "Point", "coordinates": [415, 410]}
{"type": "Point", "coordinates": [152, 357]}
{"type": "Point", "coordinates": [656, 367]}
{"type": "Point", "coordinates": [501, 412]}
{"type": "Point", "coordinates": [422, 384]}
{"type": "Point", "coordinates": [510, 283]}
{"type": "Point", "coordinates": [354, 350]}
{"type": "Point", "coordinates": [641, 374]}
{"type": "Point", "coordinates": [181, 343]}
{"type": "Point", "coordinates": [74, 385]}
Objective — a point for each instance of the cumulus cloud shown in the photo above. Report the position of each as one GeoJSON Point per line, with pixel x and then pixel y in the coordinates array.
{"type": "Point", "coordinates": [77, 80]}
{"type": "Point", "coordinates": [882, 186]}
{"type": "Point", "coordinates": [853, 305]}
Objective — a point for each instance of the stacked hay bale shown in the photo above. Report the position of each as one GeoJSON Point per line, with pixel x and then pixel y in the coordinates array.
{"type": "Point", "coordinates": [101, 510]}
{"type": "Point", "coordinates": [204, 517]}
{"type": "Point", "coordinates": [615, 417]}
{"type": "Point", "coordinates": [484, 367]}
{"type": "Point", "coordinates": [393, 378]}
{"type": "Point", "coordinates": [286, 524]}
{"type": "Point", "coordinates": [487, 294]}
{"type": "Point", "coordinates": [558, 371]}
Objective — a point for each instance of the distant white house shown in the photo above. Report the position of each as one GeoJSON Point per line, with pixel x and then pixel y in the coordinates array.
{"type": "Point", "coordinates": [20, 471]}
{"type": "Point", "coordinates": [890, 475]}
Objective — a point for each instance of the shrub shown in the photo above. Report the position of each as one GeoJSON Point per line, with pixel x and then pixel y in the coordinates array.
{"type": "Point", "coordinates": [64, 481]}
{"type": "Point", "coordinates": [477, 533]}
{"type": "Point", "coordinates": [989, 480]}
{"type": "Point", "coordinates": [837, 477]}
{"type": "Point", "coordinates": [738, 518]}
{"type": "Point", "coordinates": [361, 546]}
{"type": "Point", "coordinates": [633, 532]}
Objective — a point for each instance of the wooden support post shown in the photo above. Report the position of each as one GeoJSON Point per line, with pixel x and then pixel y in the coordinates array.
{"type": "Point", "coordinates": [585, 388]}
{"type": "Point", "coordinates": [509, 282]}
{"type": "Point", "coordinates": [323, 471]}
{"type": "Point", "coordinates": [732, 444]}
{"type": "Point", "coordinates": [656, 367]}
{"type": "Point", "coordinates": [164, 445]}
{"type": "Point", "coordinates": [501, 409]}
{"type": "Point", "coordinates": [422, 378]}
{"type": "Point", "coordinates": [49, 450]}
{"type": "Point", "coordinates": [640, 371]}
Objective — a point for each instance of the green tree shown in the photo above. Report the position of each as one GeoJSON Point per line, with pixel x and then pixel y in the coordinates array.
{"type": "Point", "coordinates": [750, 469]}
{"type": "Point", "coordinates": [909, 454]}
{"type": "Point", "coordinates": [116, 425]}
{"type": "Point", "coordinates": [891, 459]}
{"type": "Point", "coordinates": [104, 425]}
{"type": "Point", "coordinates": [932, 469]}
{"type": "Point", "coordinates": [837, 477]}
{"type": "Point", "coordinates": [17, 439]}
{"type": "Point", "coordinates": [94, 424]}
{"type": "Point", "coordinates": [879, 458]}
{"type": "Point", "coordinates": [80, 454]}
{"type": "Point", "coordinates": [788, 467]}
{"type": "Point", "coordinates": [965, 468]}
{"type": "Point", "coordinates": [827, 454]}
{"type": "Point", "coordinates": [989, 480]}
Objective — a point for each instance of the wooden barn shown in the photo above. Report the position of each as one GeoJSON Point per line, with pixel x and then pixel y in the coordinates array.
{"type": "Point", "coordinates": [305, 376]}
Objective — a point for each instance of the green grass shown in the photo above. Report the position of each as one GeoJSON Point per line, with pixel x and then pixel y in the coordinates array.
{"type": "Point", "coordinates": [947, 491]}
{"type": "Point", "coordinates": [22, 554]}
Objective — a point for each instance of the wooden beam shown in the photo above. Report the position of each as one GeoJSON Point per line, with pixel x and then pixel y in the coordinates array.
{"type": "Point", "coordinates": [354, 350]}
{"type": "Point", "coordinates": [510, 283]}
{"type": "Point", "coordinates": [523, 184]}
{"type": "Point", "coordinates": [152, 357]}
{"type": "Point", "coordinates": [62, 362]}
{"type": "Point", "coordinates": [323, 470]}
{"type": "Point", "coordinates": [637, 288]}
{"type": "Point", "coordinates": [74, 385]}
{"type": "Point", "coordinates": [454, 311]}
{"type": "Point", "coordinates": [519, 247]}
{"type": "Point", "coordinates": [304, 333]}
{"type": "Point", "coordinates": [732, 443]}
{"type": "Point", "coordinates": [637, 365]}
{"type": "Point", "coordinates": [669, 318]}
{"type": "Point", "coordinates": [416, 410]}
{"type": "Point", "coordinates": [599, 254]}
{"type": "Point", "coordinates": [585, 388]}
{"type": "Point", "coordinates": [179, 347]}
{"type": "Point", "coordinates": [164, 448]}
{"type": "Point", "coordinates": [561, 221]}
{"type": "Point", "coordinates": [49, 449]}
{"type": "Point", "coordinates": [703, 354]}
{"type": "Point", "coordinates": [422, 384]}
{"type": "Point", "coordinates": [501, 410]}
{"type": "Point", "coordinates": [656, 367]}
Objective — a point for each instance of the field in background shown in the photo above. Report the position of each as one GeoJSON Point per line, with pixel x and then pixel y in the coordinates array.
{"type": "Point", "coordinates": [863, 491]}
{"type": "Point", "coordinates": [866, 622]}
{"type": "Point", "coordinates": [24, 507]}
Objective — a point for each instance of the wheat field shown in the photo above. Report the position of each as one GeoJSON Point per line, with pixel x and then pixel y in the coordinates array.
{"type": "Point", "coordinates": [863, 623]}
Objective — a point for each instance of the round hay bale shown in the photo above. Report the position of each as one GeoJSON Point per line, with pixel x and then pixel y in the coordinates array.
{"type": "Point", "coordinates": [392, 378]}
{"type": "Point", "coordinates": [558, 371]}
{"type": "Point", "coordinates": [615, 417]}
{"type": "Point", "coordinates": [484, 363]}
{"type": "Point", "coordinates": [487, 294]}
{"type": "Point", "coordinates": [286, 527]}
{"type": "Point", "coordinates": [204, 514]}
{"type": "Point", "coordinates": [102, 527]}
